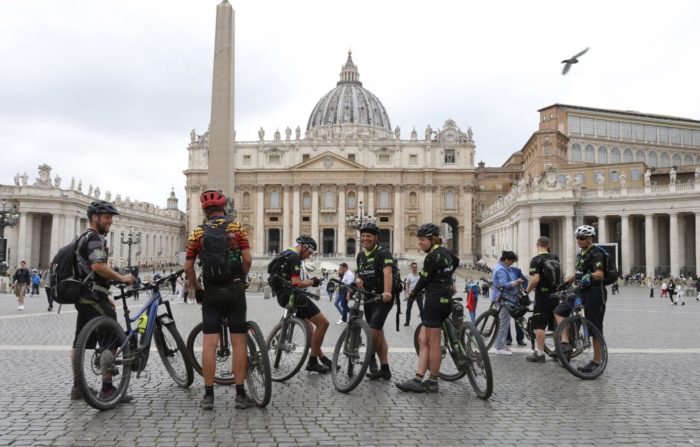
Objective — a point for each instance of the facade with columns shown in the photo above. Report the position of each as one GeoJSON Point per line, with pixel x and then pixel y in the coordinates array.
{"type": "Point", "coordinates": [633, 176]}
{"type": "Point", "coordinates": [52, 214]}
{"type": "Point", "coordinates": [348, 162]}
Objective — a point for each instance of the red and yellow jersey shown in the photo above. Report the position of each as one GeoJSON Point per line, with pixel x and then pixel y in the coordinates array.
{"type": "Point", "coordinates": [237, 237]}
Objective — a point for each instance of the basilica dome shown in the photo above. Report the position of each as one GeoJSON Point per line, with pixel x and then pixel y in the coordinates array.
{"type": "Point", "coordinates": [349, 103]}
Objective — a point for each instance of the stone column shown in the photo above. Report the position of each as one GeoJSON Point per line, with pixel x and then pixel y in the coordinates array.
{"type": "Point", "coordinates": [369, 206]}
{"type": "Point", "coordinates": [568, 266]}
{"type": "Point", "coordinates": [626, 241]}
{"type": "Point", "coordinates": [286, 230]}
{"type": "Point", "coordinates": [673, 244]}
{"type": "Point", "coordinates": [296, 208]}
{"type": "Point", "coordinates": [530, 252]}
{"type": "Point", "coordinates": [315, 215]}
{"type": "Point", "coordinates": [467, 224]}
{"type": "Point", "coordinates": [398, 220]}
{"type": "Point", "coordinates": [681, 241]}
{"type": "Point", "coordinates": [55, 236]}
{"type": "Point", "coordinates": [697, 243]}
{"type": "Point", "coordinates": [523, 240]}
{"type": "Point", "coordinates": [650, 246]}
{"type": "Point", "coordinates": [427, 214]}
{"type": "Point", "coordinates": [260, 220]}
{"type": "Point", "coordinates": [361, 198]}
{"type": "Point", "coordinates": [24, 239]}
{"type": "Point", "coordinates": [69, 229]}
{"type": "Point", "coordinates": [340, 242]}
{"type": "Point", "coordinates": [602, 229]}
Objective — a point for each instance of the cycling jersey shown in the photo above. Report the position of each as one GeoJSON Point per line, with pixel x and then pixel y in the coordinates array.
{"type": "Point", "coordinates": [367, 267]}
{"type": "Point", "coordinates": [305, 307]}
{"type": "Point", "coordinates": [436, 279]}
{"type": "Point", "coordinates": [588, 261]}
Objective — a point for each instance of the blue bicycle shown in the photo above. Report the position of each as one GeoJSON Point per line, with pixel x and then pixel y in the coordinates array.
{"type": "Point", "coordinates": [105, 353]}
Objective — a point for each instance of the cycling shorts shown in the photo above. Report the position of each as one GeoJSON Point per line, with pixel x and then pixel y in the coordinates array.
{"type": "Point", "coordinates": [224, 302]}
{"type": "Point", "coordinates": [305, 307]}
{"type": "Point", "coordinates": [376, 313]}
{"type": "Point", "coordinates": [436, 309]}
{"type": "Point", "coordinates": [543, 310]}
{"type": "Point", "coordinates": [88, 309]}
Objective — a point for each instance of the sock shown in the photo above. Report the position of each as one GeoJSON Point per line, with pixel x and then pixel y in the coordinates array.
{"type": "Point", "coordinates": [385, 367]}
{"type": "Point", "coordinates": [240, 390]}
{"type": "Point", "coordinates": [209, 390]}
{"type": "Point", "coordinates": [540, 351]}
{"type": "Point", "coordinates": [433, 378]}
{"type": "Point", "coordinates": [313, 360]}
{"type": "Point", "coordinates": [418, 378]}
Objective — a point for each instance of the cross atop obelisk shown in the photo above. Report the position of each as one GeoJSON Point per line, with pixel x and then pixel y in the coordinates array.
{"type": "Point", "coordinates": [221, 133]}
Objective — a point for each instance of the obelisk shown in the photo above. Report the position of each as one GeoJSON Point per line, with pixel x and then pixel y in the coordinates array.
{"type": "Point", "coordinates": [221, 132]}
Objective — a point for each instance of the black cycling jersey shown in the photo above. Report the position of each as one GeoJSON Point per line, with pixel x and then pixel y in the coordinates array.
{"type": "Point", "coordinates": [436, 277]}
{"type": "Point", "coordinates": [93, 251]}
{"type": "Point", "coordinates": [291, 267]}
{"type": "Point", "coordinates": [370, 267]}
{"type": "Point", "coordinates": [548, 267]}
{"type": "Point", "coordinates": [588, 261]}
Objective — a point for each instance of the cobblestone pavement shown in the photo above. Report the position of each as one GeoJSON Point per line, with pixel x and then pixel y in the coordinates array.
{"type": "Point", "coordinates": [649, 394]}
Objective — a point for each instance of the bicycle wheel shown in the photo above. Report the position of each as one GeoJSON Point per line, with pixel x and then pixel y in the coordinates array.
{"type": "Point", "coordinates": [487, 324]}
{"type": "Point", "coordinates": [173, 353]}
{"type": "Point", "coordinates": [223, 374]}
{"type": "Point", "coordinates": [453, 365]}
{"type": "Point", "coordinates": [351, 356]}
{"type": "Point", "coordinates": [288, 349]}
{"type": "Point", "coordinates": [102, 355]}
{"type": "Point", "coordinates": [478, 363]}
{"type": "Point", "coordinates": [581, 334]}
{"type": "Point", "coordinates": [258, 377]}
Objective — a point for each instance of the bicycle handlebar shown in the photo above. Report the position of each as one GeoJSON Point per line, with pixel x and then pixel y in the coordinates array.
{"type": "Point", "coordinates": [288, 286]}
{"type": "Point", "coordinates": [368, 297]}
{"type": "Point", "coordinates": [145, 287]}
{"type": "Point", "coordinates": [568, 291]}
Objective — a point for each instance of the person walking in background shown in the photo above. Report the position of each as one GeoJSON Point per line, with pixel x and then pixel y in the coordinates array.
{"type": "Point", "coordinates": [664, 290]}
{"type": "Point", "coordinates": [651, 288]}
{"type": "Point", "coordinates": [21, 280]}
{"type": "Point", "coordinates": [36, 280]}
{"type": "Point", "coordinates": [409, 285]}
{"type": "Point", "coordinates": [472, 290]}
{"type": "Point", "coordinates": [173, 283]}
{"type": "Point", "coordinates": [341, 302]}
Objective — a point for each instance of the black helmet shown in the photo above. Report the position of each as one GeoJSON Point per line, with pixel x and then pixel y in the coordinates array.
{"type": "Point", "coordinates": [370, 228]}
{"type": "Point", "coordinates": [307, 240]}
{"type": "Point", "coordinates": [101, 207]}
{"type": "Point", "coordinates": [428, 230]}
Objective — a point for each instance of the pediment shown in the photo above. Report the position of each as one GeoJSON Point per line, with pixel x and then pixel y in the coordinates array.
{"type": "Point", "coordinates": [328, 161]}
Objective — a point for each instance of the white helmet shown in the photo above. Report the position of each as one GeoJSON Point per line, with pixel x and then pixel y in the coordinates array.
{"type": "Point", "coordinates": [585, 231]}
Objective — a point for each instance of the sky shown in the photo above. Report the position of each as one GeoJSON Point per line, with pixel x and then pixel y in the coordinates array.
{"type": "Point", "coordinates": [107, 92]}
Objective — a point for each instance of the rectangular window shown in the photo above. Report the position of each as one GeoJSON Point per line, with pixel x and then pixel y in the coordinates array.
{"type": "Point", "coordinates": [305, 157]}
{"type": "Point", "coordinates": [275, 200]}
{"type": "Point", "coordinates": [626, 131]}
{"type": "Point", "coordinates": [328, 199]}
{"type": "Point", "coordinates": [601, 128]}
{"type": "Point", "coordinates": [246, 159]}
{"type": "Point", "coordinates": [599, 177]}
{"type": "Point", "coordinates": [634, 174]}
{"type": "Point", "coordinates": [384, 200]}
{"type": "Point", "coordinates": [547, 150]}
{"type": "Point", "coordinates": [587, 126]}
{"type": "Point", "coordinates": [614, 176]}
{"type": "Point", "coordinates": [674, 135]}
{"type": "Point", "coordinates": [413, 158]}
{"type": "Point", "coordinates": [306, 201]}
{"type": "Point", "coordinates": [650, 133]}
{"type": "Point", "coordinates": [696, 138]}
{"type": "Point", "coordinates": [383, 158]}
{"type": "Point", "coordinates": [305, 219]}
{"type": "Point", "coordinates": [663, 135]}
{"type": "Point", "coordinates": [274, 159]}
{"type": "Point", "coordinates": [613, 129]}
{"type": "Point", "coordinates": [383, 219]}
{"type": "Point", "coordinates": [450, 157]}
{"type": "Point", "coordinates": [581, 177]}
{"type": "Point", "coordinates": [273, 219]}
{"type": "Point", "coordinates": [351, 157]}
{"type": "Point", "coordinates": [638, 132]}
{"type": "Point", "coordinates": [687, 136]}
{"type": "Point", "coordinates": [574, 124]}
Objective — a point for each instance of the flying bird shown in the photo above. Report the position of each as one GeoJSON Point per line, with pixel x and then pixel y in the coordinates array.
{"type": "Point", "coordinates": [571, 61]}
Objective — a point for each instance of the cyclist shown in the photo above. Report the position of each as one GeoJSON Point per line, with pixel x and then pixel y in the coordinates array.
{"type": "Point", "coordinates": [291, 270]}
{"type": "Point", "coordinates": [221, 300]}
{"type": "Point", "coordinates": [590, 265]}
{"type": "Point", "coordinates": [545, 274]}
{"type": "Point", "coordinates": [93, 268]}
{"type": "Point", "coordinates": [409, 284]}
{"type": "Point", "coordinates": [436, 279]}
{"type": "Point", "coordinates": [375, 266]}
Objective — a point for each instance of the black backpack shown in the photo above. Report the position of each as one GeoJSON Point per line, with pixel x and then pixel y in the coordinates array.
{"type": "Point", "coordinates": [397, 287]}
{"type": "Point", "coordinates": [214, 255]}
{"type": "Point", "coordinates": [551, 273]}
{"type": "Point", "coordinates": [610, 269]}
{"type": "Point", "coordinates": [65, 284]}
{"type": "Point", "coordinates": [275, 269]}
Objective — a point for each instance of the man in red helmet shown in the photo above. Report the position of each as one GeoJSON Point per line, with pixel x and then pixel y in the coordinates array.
{"type": "Point", "coordinates": [223, 296]}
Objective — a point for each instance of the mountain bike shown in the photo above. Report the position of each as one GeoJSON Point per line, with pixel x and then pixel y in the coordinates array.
{"type": "Point", "coordinates": [288, 342]}
{"type": "Point", "coordinates": [489, 322]}
{"type": "Point", "coordinates": [258, 378]}
{"type": "Point", "coordinates": [354, 348]}
{"type": "Point", "coordinates": [581, 333]}
{"type": "Point", "coordinates": [467, 352]}
{"type": "Point", "coordinates": [104, 352]}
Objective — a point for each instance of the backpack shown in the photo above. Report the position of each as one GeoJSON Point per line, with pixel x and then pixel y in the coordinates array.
{"type": "Point", "coordinates": [276, 267]}
{"type": "Point", "coordinates": [397, 287]}
{"type": "Point", "coordinates": [610, 270]}
{"type": "Point", "coordinates": [214, 255]}
{"type": "Point", "coordinates": [65, 284]}
{"type": "Point", "coordinates": [551, 274]}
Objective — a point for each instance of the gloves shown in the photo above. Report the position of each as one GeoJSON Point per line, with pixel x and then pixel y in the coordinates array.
{"type": "Point", "coordinates": [316, 281]}
{"type": "Point", "coordinates": [199, 295]}
{"type": "Point", "coordinates": [586, 280]}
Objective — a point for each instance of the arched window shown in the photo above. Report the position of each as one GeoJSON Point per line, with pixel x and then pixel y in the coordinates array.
{"type": "Point", "coordinates": [384, 200]}
{"type": "Point", "coordinates": [676, 160]}
{"type": "Point", "coordinates": [306, 201]}
{"type": "Point", "coordinates": [687, 160]}
{"type": "Point", "coordinates": [590, 154]}
{"type": "Point", "coordinates": [615, 155]}
{"type": "Point", "coordinates": [640, 155]}
{"type": "Point", "coordinates": [627, 156]}
{"type": "Point", "coordinates": [602, 154]}
{"type": "Point", "coordinates": [575, 152]}
{"type": "Point", "coordinates": [246, 200]}
{"type": "Point", "coordinates": [653, 159]}
{"type": "Point", "coordinates": [275, 199]}
{"type": "Point", "coordinates": [664, 161]}
{"type": "Point", "coordinates": [350, 202]}
{"type": "Point", "coordinates": [413, 200]}
{"type": "Point", "coordinates": [449, 200]}
{"type": "Point", "coordinates": [328, 199]}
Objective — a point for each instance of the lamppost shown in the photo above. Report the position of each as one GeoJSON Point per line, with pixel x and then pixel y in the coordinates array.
{"type": "Point", "coordinates": [130, 239]}
{"type": "Point", "coordinates": [8, 218]}
{"type": "Point", "coordinates": [356, 221]}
